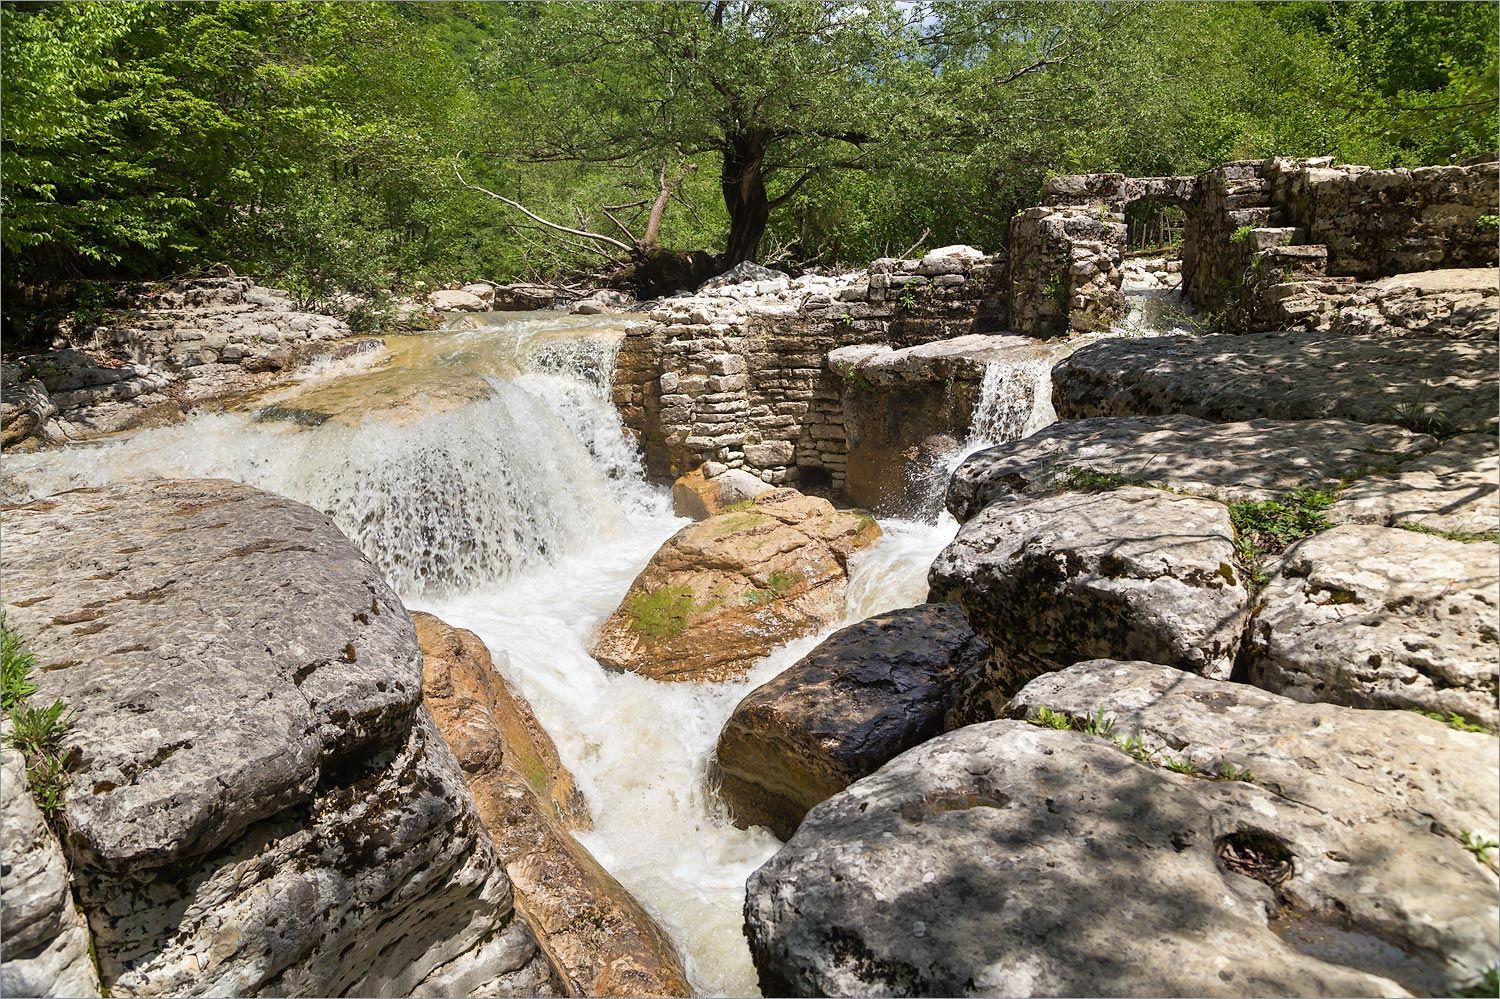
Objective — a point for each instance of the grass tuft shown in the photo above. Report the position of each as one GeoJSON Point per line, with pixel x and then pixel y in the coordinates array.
{"type": "Point", "coordinates": [1269, 527]}
{"type": "Point", "coordinates": [1466, 537]}
{"type": "Point", "coordinates": [1453, 720]}
{"type": "Point", "coordinates": [36, 731]}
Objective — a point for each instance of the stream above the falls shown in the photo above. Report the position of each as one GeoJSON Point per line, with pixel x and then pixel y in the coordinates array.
{"type": "Point", "coordinates": [485, 470]}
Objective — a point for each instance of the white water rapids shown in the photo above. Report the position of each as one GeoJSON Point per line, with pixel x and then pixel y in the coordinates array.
{"type": "Point", "coordinates": [487, 474]}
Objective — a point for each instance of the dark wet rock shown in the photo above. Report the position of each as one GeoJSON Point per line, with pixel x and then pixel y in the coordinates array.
{"type": "Point", "coordinates": [866, 694]}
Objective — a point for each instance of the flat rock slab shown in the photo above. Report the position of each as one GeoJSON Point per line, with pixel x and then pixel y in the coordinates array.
{"type": "Point", "coordinates": [46, 940]}
{"type": "Point", "coordinates": [961, 357]}
{"type": "Point", "coordinates": [1232, 462]}
{"type": "Point", "coordinates": [725, 591]}
{"type": "Point", "coordinates": [1454, 488]}
{"type": "Point", "coordinates": [1134, 572]}
{"type": "Point", "coordinates": [597, 938]}
{"type": "Point", "coordinates": [1005, 859]}
{"type": "Point", "coordinates": [1454, 302]}
{"type": "Point", "coordinates": [1426, 383]}
{"type": "Point", "coordinates": [868, 693]}
{"type": "Point", "coordinates": [1378, 617]}
{"type": "Point", "coordinates": [221, 646]}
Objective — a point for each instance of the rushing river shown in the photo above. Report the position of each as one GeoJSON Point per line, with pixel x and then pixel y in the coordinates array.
{"type": "Point", "coordinates": [487, 474]}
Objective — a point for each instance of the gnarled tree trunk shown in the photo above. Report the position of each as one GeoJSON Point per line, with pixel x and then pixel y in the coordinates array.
{"type": "Point", "coordinates": [744, 184]}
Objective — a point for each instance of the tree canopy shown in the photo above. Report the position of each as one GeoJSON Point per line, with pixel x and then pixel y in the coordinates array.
{"type": "Point", "coordinates": [333, 146]}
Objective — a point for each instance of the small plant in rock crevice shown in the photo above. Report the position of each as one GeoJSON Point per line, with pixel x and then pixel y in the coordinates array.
{"type": "Point", "coordinates": [1464, 537]}
{"type": "Point", "coordinates": [1088, 480]}
{"type": "Point", "coordinates": [1480, 846]}
{"type": "Point", "coordinates": [1453, 720]}
{"type": "Point", "coordinates": [36, 731]}
{"type": "Point", "coordinates": [777, 584]}
{"type": "Point", "coordinates": [1241, 234]}
{"type": "Point", "coordinates": [1488, 985]}
{"type": "Point", "coordinates": [1422, 417]}
{"type": "Point", "coordinates": [1102, 725]}
{"type": "Point", "coordinates": [1268, 527]}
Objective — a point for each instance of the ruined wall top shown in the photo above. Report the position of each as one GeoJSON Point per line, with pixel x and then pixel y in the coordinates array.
{"type": "Point", "coordinates": [1115, 190]}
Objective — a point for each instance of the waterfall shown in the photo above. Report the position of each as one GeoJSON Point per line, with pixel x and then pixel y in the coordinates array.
{"type": "Point", "coordinates": [515, 507]}
{"type": "Point", "coordinates": [1015, 400]}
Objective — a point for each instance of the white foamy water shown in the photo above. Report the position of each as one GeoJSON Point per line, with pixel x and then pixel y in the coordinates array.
{"type": "Point", "coordinates": [515, 507]}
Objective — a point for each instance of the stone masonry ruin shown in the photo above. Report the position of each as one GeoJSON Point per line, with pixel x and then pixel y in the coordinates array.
{"type": "Point", "coordinates": [770, 383]}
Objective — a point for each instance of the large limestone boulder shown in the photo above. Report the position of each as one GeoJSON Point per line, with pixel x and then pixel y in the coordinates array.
{"type": "Point", "coordinates": [46, 939]}
{"type": "Point", "coordinates": [260, 804]}
{"type": "Point", "coordinates": [1008, 859]}
{"type": "Point", "coordinates": [1232, 462]}
{"type": "Point", "coordinates": [868, 693]}
{"type": "Point", "coordinates": [1377, 617]}
{"type": "Point", "coordinates": [722, 593]}
{"type": "Point", "coordinates": [25, 407]}
{"type": "Point", "coordinates": [1455, 488]}
{"type": "Point", "coordinates": [1134, 572]}
{"type": "Point", "coordinates": [700, 496]}
{"type": "Point", "coordinates": [458, 301]}
{"type": "Point", "coordinates": [598, 939]}
{"type": "Point", "coordinates": [1428, 383]}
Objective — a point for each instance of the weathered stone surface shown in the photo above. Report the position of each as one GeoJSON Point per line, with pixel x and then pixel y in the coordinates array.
{"type": "Point", "coordinates": [203, 585]}
{"type": "Point", "coordinates": [597, 938]}
{"type": "Point", "coordinates": [722, 593]}
{"type": "Point", "coordinates": [25, 407]}
{"type": "Point", "coordinates": [698, 496]}
{"type": "Point", "coordinates": [1378, 617]}
{"type": "Point", "coordinates": [457, 301]}
{"type": "Point", "coordinates": [1130, 573]}
{"type": "Point", "coordinates": [260, 804]}
{"type": "Point", "coordinates": [866, 694]}
{"type": "Point", "coordinates": [1005, 859]}
{"type": "Point", "coordinates": [1423, 382]}
{"type": "Point", "coordinates": [1451, 489]}
{"type": "Point", "coordinates": [46, 940]}
{"type": "Point", "coordinates": [1451, 303]}
{"type": "Point", "coordinates": [1372, 805]}
{"type": "Point", "coordinates": [1255, 460]}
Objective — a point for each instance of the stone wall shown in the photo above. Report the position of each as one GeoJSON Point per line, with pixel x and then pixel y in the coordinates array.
{"type": "Point", "coordinates": [1065, 272]}
{"type": "Point", "coordinates": [738, 375]}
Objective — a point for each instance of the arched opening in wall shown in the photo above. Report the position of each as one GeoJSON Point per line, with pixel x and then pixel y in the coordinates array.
{"type": "Point", "coordinates": [1153, 225]}
{"type": "Point", "coordinates": [1152, 268]}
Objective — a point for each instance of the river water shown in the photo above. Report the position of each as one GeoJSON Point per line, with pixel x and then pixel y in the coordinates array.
{"type": "Point", "coordinates": [485, 471]}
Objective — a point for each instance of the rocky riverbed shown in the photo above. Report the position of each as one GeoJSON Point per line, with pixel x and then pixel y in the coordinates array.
{"type": "Point", "coordinates": [1167, 665]}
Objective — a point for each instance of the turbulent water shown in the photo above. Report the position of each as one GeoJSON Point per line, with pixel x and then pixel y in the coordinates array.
{"type": "Point", "coordinates": [486, 472]}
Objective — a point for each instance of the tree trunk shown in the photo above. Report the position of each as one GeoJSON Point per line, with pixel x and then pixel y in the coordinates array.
{"type": "Point", "coordinates": [745, 194]}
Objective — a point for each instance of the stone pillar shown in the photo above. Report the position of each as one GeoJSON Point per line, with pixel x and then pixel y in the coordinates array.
{"type": "Point", "coordinates": [1065, 269]}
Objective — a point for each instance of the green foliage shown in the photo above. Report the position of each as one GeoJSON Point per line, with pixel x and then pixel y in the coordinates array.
{"type": "Point", "coordinates": [1263, 528]}
{"type": "Point", "coordinates": [1467, 537]}
{"type": "Point", "coordinates": [1453, 720]}
{"type": "Point", "coordinates": [36, 731]}
{"type": "Point", "coordinates": [1487, 987]}
{"type": "Point", "coordinates": [1228, 771]}
{"type": "Point", "coordinates": [1480, 846]}
{"type": "Point", "coordinates": [1488, 221]}
{"type": "Point", "coordinates": [313, 144]}
{"type": "Point", "coordinates": [661, 614]}
{"type": "Point", "coordinates": [1102, 725]}
{"type": "Point", "coordinates": [1241, 234]}
{"type": "Point", "coordinates": [16, 664]}
{"type": "Point", "coordinates": [1183, 766]}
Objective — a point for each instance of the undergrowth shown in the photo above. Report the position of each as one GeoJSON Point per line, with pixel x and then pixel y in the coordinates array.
{"type": "Point", "coordinates": [1268, 527]}
{"type": "Point", "coordinates": [1103, 726]}
{"type": "Point", "coordinates": [36, 731]}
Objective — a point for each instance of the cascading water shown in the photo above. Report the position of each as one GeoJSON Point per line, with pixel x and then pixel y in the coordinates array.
{"type": "Point", "coordinates": [486, 471]}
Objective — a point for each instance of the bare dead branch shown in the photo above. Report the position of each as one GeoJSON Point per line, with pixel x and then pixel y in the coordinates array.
{"type": "Point", "coordinates": [583, 233]}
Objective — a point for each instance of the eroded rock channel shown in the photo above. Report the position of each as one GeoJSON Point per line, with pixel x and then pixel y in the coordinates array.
{"type": "Point", "coordinates": [907, 631]}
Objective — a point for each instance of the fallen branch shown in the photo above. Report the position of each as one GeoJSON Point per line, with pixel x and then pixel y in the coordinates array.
{"type": "Point", "coordinates": [913, 247]}
{"type": "Point", "coordinates": [583, 233]}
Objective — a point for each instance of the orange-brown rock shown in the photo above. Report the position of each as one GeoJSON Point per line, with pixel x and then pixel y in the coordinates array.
{"type": "Point", "coordinates": [698, 496]}
{"type": "Point", "coordinates": [598, 939]}
{"type": "Point", "coordinates": [722, 593]}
